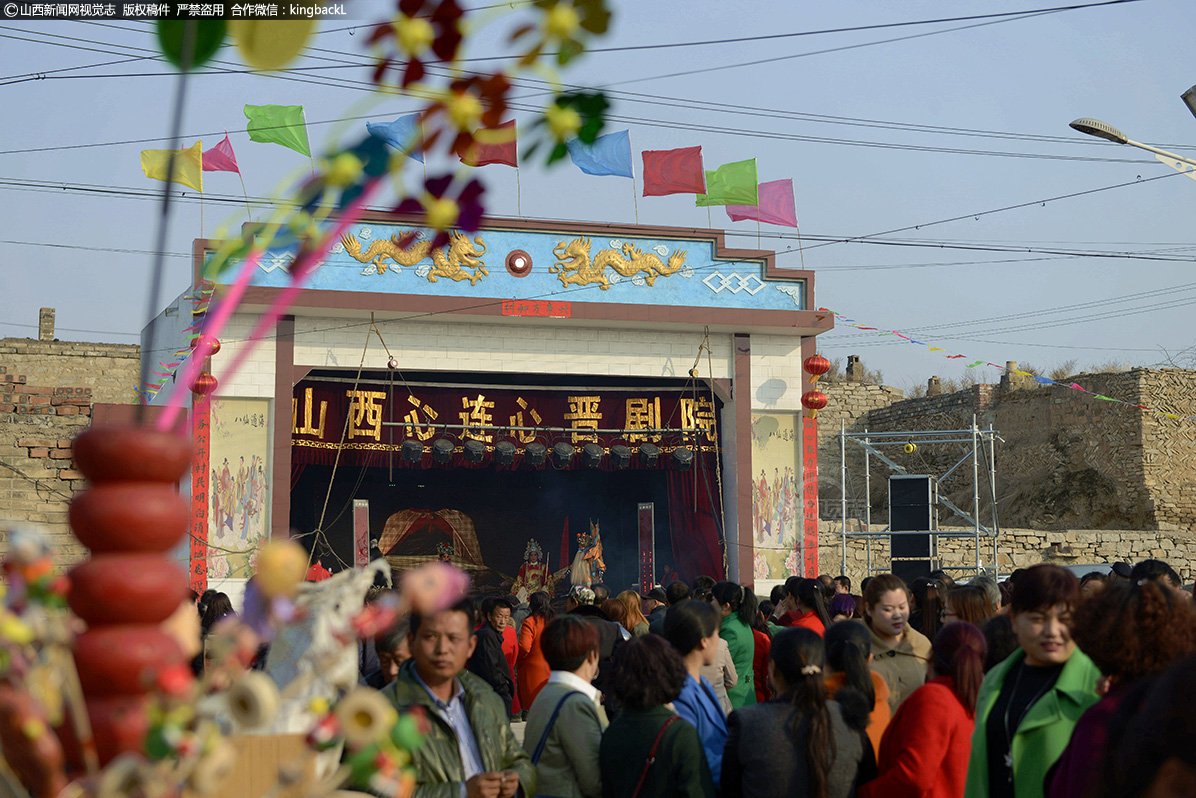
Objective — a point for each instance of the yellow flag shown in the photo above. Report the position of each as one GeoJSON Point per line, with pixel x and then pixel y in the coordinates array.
{"type": "Point", "coordinates": [188, 165]}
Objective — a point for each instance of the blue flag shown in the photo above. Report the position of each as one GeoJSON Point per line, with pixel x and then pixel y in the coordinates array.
{"type": "Point", "coordinates": [608, 155]}
{"type": "Point", "coordinates": [403, 134]}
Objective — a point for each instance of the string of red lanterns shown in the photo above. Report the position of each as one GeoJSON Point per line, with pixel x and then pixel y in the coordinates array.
{"type": "Point", "coordinates": [813, 399]}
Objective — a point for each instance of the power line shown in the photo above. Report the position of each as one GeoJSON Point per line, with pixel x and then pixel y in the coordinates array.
{"type": "Point", "coordinates": [688, 104]}
{"type": "Point", "coordinates": [773, 36]}
{"type": "Point", "coordinates": [978, 214]}
{"type": "Point", "coordinates": [1058, 308]}
{"type": "Point", "coordinates": [21, 184]}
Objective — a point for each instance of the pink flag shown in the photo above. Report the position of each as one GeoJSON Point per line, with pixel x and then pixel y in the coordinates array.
{"type": "Point", "coordinates": [221, 158]}
{"type": "Point", "coordinates": [776, 205]}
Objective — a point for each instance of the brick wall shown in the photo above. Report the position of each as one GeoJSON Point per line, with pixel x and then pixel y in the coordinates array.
{"type": "Point", "coordinates": [109, 370]}
{"type": "Point", "coordinates": [37, 474]}
{"type": "Point", "coordinates": [47, 391]}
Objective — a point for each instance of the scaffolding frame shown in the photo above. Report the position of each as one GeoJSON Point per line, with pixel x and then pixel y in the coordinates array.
{"type": "Point", "coordinates": [974, 438]}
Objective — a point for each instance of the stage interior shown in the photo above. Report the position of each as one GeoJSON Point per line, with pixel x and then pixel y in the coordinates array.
{"type": "Point", "coordinates": [506, 507]}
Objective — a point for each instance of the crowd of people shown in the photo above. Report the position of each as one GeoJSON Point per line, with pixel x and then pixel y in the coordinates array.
{"type": "Point", "coordinates": [1036, 687]}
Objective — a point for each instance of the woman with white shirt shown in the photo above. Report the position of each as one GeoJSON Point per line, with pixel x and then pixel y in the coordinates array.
{"type": "Point", "coordinates": [566, 721]}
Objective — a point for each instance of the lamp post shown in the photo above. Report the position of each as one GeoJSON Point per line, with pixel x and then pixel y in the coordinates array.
{"type": "Point", "coordinates": [1103, 130]}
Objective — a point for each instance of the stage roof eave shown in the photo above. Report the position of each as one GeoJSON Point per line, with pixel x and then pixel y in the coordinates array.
{"type": "Point", "coordinates": [413, 307]}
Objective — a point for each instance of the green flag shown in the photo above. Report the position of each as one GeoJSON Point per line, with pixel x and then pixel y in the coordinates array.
{"type": "Point", "coordinates": [278, 124]}
{"type": "Point", "coordinates": [731, 184]}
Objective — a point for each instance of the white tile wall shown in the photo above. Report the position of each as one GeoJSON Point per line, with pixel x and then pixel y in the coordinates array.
{"type": "Point", "coordinates": [533, 349]}
{"type": "Point", "coordinates": [776, 372]}
{"type": "Point", "coordinates": [256, 377]}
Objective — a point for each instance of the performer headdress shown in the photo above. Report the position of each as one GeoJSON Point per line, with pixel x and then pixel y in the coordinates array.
{"type": "Point", "coordinates": [532, 545]}
{"type": "Point", "coordinates": [446, 549]}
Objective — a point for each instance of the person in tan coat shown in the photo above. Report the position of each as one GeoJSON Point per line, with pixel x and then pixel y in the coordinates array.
{"type": "Point", "coordinates": [900, 653]}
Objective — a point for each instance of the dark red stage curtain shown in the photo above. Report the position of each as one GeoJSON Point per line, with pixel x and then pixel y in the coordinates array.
{"type": "Point", "coordinates": [697, 547]}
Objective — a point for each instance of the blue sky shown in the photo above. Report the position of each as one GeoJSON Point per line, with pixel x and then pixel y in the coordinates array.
{"type": "Point", "coordinates": [866, 127]}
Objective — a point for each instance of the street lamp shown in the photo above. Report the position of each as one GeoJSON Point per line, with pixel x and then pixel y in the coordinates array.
{"type": "Point", "coordinates": [1103, 130]}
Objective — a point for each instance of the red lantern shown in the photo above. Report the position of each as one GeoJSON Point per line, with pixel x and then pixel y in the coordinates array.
{"type": "Point", "coordinates": [816, 366]}
{"type": "Point", "coordinates": [813, 401]}
{"type": "Point", "coordinates": [203, 384]}
{"type": "Point", "coordinates": [206, 346]}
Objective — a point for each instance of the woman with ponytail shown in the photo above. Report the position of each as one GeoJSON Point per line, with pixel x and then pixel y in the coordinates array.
{"type": "Point", "coordinates": [798, 743]}
{"type": "Point", "coordinates": [736, 629]}
{"type": "Point", "coordinates": [925, 750]}
{"type": "Point", "coordinates": [806, 605]}
{"type": "Point", "coordinates": [848, 655]}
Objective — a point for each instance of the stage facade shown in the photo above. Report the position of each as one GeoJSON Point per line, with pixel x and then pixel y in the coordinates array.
{"type": "Point", "coordinates": [539, 403]}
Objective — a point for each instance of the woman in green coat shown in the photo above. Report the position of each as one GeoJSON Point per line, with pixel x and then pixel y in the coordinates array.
{"type": "Point", "coordinates": [1029, 704]}
{"type": "Point", "coordinates": [727, 598]}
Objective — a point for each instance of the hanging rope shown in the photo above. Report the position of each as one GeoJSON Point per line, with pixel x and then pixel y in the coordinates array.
{"type": "Point", "coordinates": [320, 536]}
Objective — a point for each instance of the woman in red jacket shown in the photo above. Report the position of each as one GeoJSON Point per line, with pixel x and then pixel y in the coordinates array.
{"type": "Point", "coordinates": [533, 667]}
{"type": "Point", "coordinates": [925, 750]}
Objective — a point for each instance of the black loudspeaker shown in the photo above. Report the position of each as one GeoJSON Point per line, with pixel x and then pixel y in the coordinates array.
{"type": "Point", "coordinates": [911, 510]}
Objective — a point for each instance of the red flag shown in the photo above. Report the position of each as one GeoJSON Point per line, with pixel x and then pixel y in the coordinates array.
{"type": "Point", "coordinates": [673, 172]}
{"type": "Point", "coordinates": [564, 545]}
{"type": "Point", "coordinates": [221, 158]}
{"type": "Point", "coordinates": [493, 145]}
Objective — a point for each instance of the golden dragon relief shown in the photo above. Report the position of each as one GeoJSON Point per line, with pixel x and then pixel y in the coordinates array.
{"type": "Point", "coordinates": [450, 261]}
{"type": "Point", "coordinates": [574, 266]}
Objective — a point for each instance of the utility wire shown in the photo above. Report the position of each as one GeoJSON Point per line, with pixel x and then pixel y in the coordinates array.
{"type": "Point", "coordinates": [232, 200]}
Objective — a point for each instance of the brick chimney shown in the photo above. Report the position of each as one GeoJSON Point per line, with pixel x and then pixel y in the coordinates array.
{"type": "Point", "coordinates": [45, 324]}
{"type": "Point", "coordinates": [934, 387]}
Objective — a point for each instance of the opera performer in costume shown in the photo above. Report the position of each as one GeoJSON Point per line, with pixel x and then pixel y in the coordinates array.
{"type": "Point", "coordinates": [534, 574]}
{"type": "Point", "coordinates": [588, 566]}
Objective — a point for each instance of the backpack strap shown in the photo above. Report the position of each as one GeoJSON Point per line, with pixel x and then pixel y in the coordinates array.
{"type": "Point", "coordinates": [551, 722]}
{"type": "Point", "coordinates": [652, 753]}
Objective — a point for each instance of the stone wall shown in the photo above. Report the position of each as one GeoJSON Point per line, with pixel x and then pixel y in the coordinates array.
{"type": "Point", "coordinates": [848, 406]}
{"type": "Point", "coordinates": [1018, 548]}
{"type": "Point", "coordinates": [1169, 445]}
{"type": "Point", "coordinates": [1072, 460]}
{"type": "Point", "coordinates": [1066, 460]}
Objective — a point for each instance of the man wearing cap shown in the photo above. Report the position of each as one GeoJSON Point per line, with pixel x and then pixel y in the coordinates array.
{"type": "Point", "coordinates": [655, 605]}
{"type": "Point", "coordinates": [488, 660]}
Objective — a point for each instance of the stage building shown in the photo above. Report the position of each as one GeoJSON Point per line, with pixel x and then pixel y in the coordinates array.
{"type": "Point", "coordinates": [618, 394]}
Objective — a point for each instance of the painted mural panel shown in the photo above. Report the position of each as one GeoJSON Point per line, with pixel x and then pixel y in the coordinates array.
{"type": "Point", "coordinates": [776, 495]}
{"type": "Point", "coordinates": [239, 511]}
{"type": "Point", "coordinates": [561, 266]}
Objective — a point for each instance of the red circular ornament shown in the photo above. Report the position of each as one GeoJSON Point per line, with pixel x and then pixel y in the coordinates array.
{"type": "Point", "coordinates": [813, 400]}
{"type": "Point", "coordinates": [210, 346]}
{"type": "Point", "coordinates": [123, 660]}
{"type": "Point", "coordinates": [816, 364]}
{"type": "Point", "coordinates": [130, 517]}
{"type": "Point", "coordinates": [203, 384]}
{"type": "Point", "coordinates": [127, 588]}
{"type": "Point", "coordinates": [519, 263]}
{"type": "Point", "coordinates": [133, 454]}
